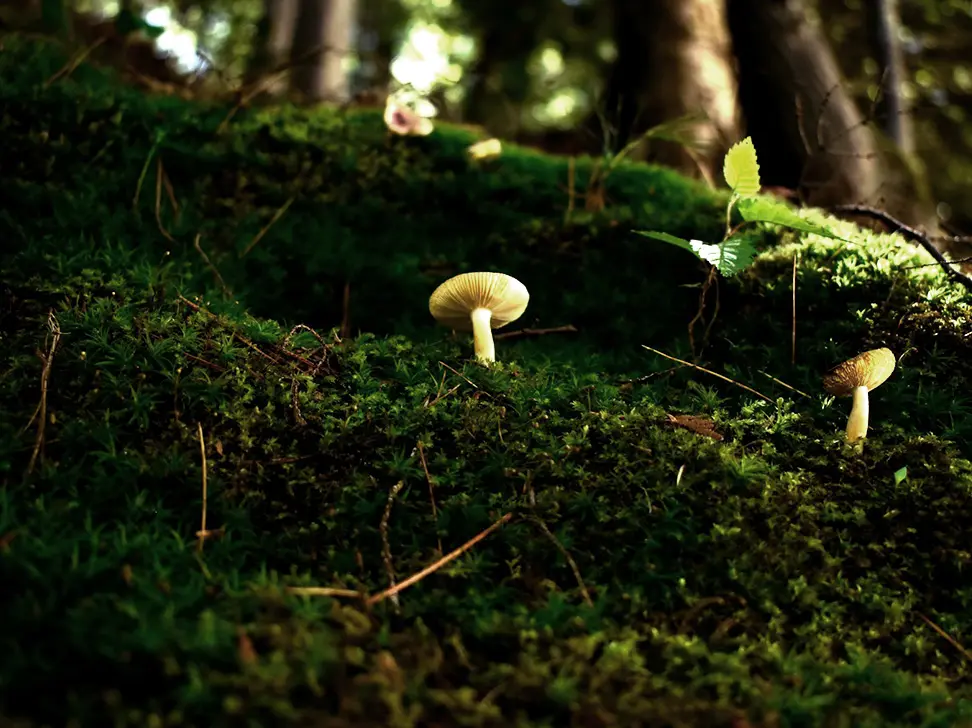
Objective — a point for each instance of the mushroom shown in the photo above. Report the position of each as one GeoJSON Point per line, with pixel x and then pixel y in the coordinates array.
{"type": "Point", "coordinates": [479, 302]}
{"type": "Point", "coordinates": [857, 377]}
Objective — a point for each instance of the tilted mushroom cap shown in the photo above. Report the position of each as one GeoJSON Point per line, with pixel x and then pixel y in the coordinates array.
{"type": "Point", "coordinates": [869, 369]}
{"type": "Point", "coordinates": [452, 302]}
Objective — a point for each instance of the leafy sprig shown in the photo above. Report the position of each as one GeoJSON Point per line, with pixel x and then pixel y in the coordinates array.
{"type": "Point", "coordinates": [734, 253]}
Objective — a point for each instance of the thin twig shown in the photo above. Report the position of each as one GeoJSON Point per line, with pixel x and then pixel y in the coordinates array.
{"type": "Point", "coordinates": [428, 479]}
{"type": "Point", "coordinates": [47, 360]}
{"type": "Point", "coordinates": [796, 258]}
{"type": "Point", "coordinates": [385, 546]}
{"type": "Point", "coordinates": [346, 311]}
{"type": "Point", "coordinates": [219, 279]}
{"type": "Point", "coordinates": [708, 371]}
{"type": "Point", "coordinates": [912, 234]}
{"type": "Point", "coordinates": [158, 202]}
{"type": "Point", "coordinates": [324, 591]}
{"type": "Point", "coordinates": [567, 557]}
{"type": "Point", "coordinates": [459, 374]}
{"type": "Point", "coordinates": [203, 532]}
{"type": "Point", "coordinates": [567, 329]}
{"type": "Point", "coordinates": [951, 640]}
{"type": "Point", "coordinates": [388, 593]}
{"type": "Point", "coordinates": [72, 65]}
{"type": "Point", "coordinates": [263, 231]}
{"type": "Point", "coordinates": [784, 384]}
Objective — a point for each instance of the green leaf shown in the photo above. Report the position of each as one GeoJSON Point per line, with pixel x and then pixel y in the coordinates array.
{"type": "Point", "coordinates": [777, 212]}
{"type": "Point", "coordinates": [900, 475]}
{"type": "Point", "coordinates": [729, 257]}
{"type": "Point", "coordinates": [741, 169]}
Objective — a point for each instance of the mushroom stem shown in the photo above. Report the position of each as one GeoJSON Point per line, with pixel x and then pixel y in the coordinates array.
{"type": "Point", "coordinates": [483, 335]}
{"type": "Point", "coordinates": [857, 422]}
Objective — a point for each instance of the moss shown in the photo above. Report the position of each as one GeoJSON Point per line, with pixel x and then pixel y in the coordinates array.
{"type": "Point", "coordinates": [766, 578]}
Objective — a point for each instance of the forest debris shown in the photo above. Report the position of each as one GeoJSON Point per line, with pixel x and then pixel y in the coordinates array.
{"type": "Point", "coordinates": [40, 413]}
{"type": "Point", "coordinates": [566, 329]}
{"type": "Point", "coordinates": [451, 556]}
{"type": "Point", "coordinates": [386, 554]}
{"type": "Point", "coordinates": [912, 234]}
{"type": "Point", "coordinates": [215, 271]}
{"type": "Point", "coordinates": [428, 479]}
{"type": "Point", "coordinates": [263, 231]}
{"type": "Point", "coordinates": [585, 594]}
{"type": "Point", "coordinates": [708, 371]}
{"type": "Point", "coordinates": [784, 384]}
{"type": "Point", "coordinates": [694, 423]}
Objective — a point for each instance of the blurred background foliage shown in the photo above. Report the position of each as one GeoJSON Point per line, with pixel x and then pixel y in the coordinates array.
{"type": "Point", "coordinates": [545, 72]}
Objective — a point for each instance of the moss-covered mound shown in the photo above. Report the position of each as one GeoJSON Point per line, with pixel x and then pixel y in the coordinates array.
{"type": "Point", "coordinates": [661, 547]}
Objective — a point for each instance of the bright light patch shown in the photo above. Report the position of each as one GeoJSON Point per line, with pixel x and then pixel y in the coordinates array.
{"type": "Point", "coordinates": [424, 60]}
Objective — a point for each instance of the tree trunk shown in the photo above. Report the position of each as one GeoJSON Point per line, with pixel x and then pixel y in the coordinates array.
{"type": "Point", "coordinates": [674, 59]}
{"type": "Point", "coordinates": [884, 23]}
{"type": "Point", "coordinates": [275, 32]}
{"type": "Point", "coordinates": [322, 40]}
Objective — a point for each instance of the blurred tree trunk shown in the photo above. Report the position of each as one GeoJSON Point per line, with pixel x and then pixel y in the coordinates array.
{"type": "Point", "coordinates": [674, 59]}
{"type": "Point", "coordinates": [884, 24]}
{"type": "Point", "coordinates": [322, 40]}
{"type": "Point", "coordinates": [275, 32]}
{"type": "Point", "coordinates": [808, 131]}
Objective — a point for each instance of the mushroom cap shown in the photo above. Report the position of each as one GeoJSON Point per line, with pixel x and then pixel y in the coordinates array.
{"type": "Point", "coordinates": [452, 302]}
{"type": "Point", "coordinates": [869, 369]}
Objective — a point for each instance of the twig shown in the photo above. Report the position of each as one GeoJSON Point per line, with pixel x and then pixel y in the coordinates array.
{"type": "Point", "coordinates": [428, 479]}
{"type": "Point", "coordinates": [571, 194]}
{"type": "Point", "coordinates": [203, 533]}
{"type": "Point", "coordinates": [158, 202]}
{"type": "Point", "coordinates": [567, 557]}
{"type": "Point", "coordinates": [346, 311]}
{"type": "Point", "coordinates": [72, 65]}
{"type": "Point", "coordinates": [796, 258]}
{"type": "Point", "coordinates": [568, 329]}
{"type": "Point", "coordinates": [47, 359]}
{"type": "Point", "coordinates": [909, 233]}
{"type": "Point", "coordinates": [459, 374]}
{"type": "Point", "coordinates": [784, 384]}
{"type": "Point", "coordinates": [169, 191]}
{"type": "Point", "coordinates": [707, 371]}
{"type": "Point", "coordinates": [385, 546]}
{"type": "Point", "coordinates": [219, 279]}
{"type": "Point", "coordinates": [324, 591]}
{"type": "Point", "coordinates": [951, 640]}
{"type": "Point", "coordinates": [263, 231]}
{"type": "Point", "coordinates": [389, 593]}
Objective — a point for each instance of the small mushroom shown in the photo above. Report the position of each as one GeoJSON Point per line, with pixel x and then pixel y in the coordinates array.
{"type": "Point", "coordinates": [479, 302]}
{"type": "Point", "coordinates": [857, 377]}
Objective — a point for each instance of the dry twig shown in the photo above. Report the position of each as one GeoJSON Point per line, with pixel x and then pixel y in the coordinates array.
{"type": "Point", "coordinates": [567, 557]}
{"type": "Point", "coordinates": [796, 258]}
{"type": "Point", "coordinates": [263, 231]}
{"type": "Point", "coordinates": [567, 329]}
{"type": "Point", "coordinates": [47, 361]}
{"type": "Point", "coordinates": [451, 556]}
{"type": "Point", "coordinates": [428, 479]}
{"type": "Point", "coordinates": [385, 545]}
{"type": "Point", "coordinates": [912, 234]}
{"type": "Point", "coordinates": [951, 640]}
{"type": "Point", "coordinates": [324, 591]}
{"type": "Point", "coordinates": [708, 371]}
{"type": "Point", "coordinates": [215, 271]}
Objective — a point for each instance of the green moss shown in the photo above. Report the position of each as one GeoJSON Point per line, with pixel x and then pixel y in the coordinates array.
{"type": "Point", "coordinates": [769, 577]}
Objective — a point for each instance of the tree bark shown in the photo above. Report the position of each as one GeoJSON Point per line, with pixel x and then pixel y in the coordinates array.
{"type": "Point", "coordinates": [275, 33]}
{"type": "Point", "coordinates": [322, 40]}
{"type": "Point", "coordinates": [885, 22]}
{"type": "Point", "coordinates": [674, 59]}
{"type": "Point", "coordinates": [800, 115]}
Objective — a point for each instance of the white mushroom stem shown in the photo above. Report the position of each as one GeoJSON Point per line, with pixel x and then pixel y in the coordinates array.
{"type": "Point", "coordinates": [483, 335]}
{"type": "Point", "coordinates": [857, 422]}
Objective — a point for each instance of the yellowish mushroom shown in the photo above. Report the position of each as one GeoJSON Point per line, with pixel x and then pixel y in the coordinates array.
{"type": "Point", "coordinates": [479, 302]}
{"type": "Point", "coordinates": [856, 377]}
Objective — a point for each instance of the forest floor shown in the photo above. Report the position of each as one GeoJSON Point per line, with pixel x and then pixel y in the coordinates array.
{"type": "Point", "coordinates": [229, 425]}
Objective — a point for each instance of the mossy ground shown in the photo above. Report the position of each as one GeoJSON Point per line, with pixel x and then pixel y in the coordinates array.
{"type": "Point", "coordinates": [770, 578]}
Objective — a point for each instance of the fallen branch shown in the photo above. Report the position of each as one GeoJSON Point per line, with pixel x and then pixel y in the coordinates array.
{"type": "Point", "coordinates": [912, 234]}
{"type": "Point", "coordinates": [568, 329]}
{"type": "Point", "coordinates": [708, 371]}
{"type": "Point", "coordinates": [451, 556]}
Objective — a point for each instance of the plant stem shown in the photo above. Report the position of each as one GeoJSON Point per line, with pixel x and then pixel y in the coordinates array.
{"type": "Point", "coordinates": [857, 422]}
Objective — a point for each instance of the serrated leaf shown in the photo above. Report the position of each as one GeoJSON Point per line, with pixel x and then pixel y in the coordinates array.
{"type": "Point", "coordinates": [777, 212]}
{"type": "Point", "coordinates": [729, 257]}
{"type": "Point", "coordinates": [741, 169]}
